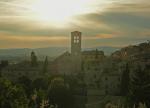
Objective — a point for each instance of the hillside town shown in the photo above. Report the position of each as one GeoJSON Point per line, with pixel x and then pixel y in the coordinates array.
{"type": "Point", "coordinates": [80, 79]}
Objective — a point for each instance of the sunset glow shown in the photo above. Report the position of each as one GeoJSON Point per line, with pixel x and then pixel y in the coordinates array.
{"type": "Point", "coordinates": [59, 12]}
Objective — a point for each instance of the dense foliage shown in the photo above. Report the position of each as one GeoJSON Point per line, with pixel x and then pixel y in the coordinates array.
{"type": "Point", "coordinates": [25, 93]}
{"type": "Point", "coordinates": [12, 96]}
{"type": "Point", "coordinates": [140, 87]}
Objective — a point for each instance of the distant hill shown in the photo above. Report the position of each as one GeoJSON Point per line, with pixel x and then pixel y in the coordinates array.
{"type": "Point", "coordinates": [24, 53]}
{"type": "Point", "coordinates": [136, 52]}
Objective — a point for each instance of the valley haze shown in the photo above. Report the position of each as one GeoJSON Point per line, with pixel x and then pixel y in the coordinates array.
{"type": "Point", "coordinates": [51, 52]}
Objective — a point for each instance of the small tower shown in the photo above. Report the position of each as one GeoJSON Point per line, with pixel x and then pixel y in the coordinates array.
{"type": "Point", "coordinates": [76, 43]}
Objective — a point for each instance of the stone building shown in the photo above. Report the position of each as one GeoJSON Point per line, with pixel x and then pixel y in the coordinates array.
{"type": "Point", "coordinates": [91, 63]}
{"type": "Point", "coordinates": [70, 63]}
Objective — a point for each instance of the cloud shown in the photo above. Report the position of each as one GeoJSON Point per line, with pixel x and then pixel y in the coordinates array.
{"type": "Point", "coordinates": [33, 38]}
{"type": "Point", "coordinates": [12, 41]}
{"type": "Point", "coordinates": [115, 23]}
{"type": "Point", "coordinates": [101, 36]}
{"type": "Point", "coordinates": [124, 18]}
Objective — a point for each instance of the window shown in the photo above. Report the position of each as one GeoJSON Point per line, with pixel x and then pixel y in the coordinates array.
{"type": "Point", "coordinates": [76, 39]}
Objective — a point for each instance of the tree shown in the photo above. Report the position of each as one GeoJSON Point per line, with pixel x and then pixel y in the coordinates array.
{"type": "Point", "coordinates": [4, 63]}
{"type": "Point", "coordinates": [45, 65]}
{"type": "Point", "coordinates": [26, 84]}
{"type": "Point", "coordinates": [40, 86]}
{"type": "Point", "coordinates": [33, 59]}
{"type": "Point", "coordinates": [140, 87]}
{"type": "Point", "coordinates": [12, 96]}
{"type": "Point", "coordinates": [125, 80]}
{"type": "Point", "coordinates": [40, 83]}
{"type": "Point", "coordinates": [59, 93]}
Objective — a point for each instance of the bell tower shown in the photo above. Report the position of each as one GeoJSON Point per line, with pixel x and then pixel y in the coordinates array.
{"type": "Point", "coordinates": [76, 51]}
{"type": "Point", "coordinates": [76, 43]}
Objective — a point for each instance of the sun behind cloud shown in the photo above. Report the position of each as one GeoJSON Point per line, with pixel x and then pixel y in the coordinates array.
{"type": "Point", "coordinates": [59, 12]}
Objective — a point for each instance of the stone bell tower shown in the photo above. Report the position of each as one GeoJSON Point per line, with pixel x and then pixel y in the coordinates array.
{"type": "Point", "coordinates": [76, 43]}
{"type": "Point", "coordinates": [76, 51]}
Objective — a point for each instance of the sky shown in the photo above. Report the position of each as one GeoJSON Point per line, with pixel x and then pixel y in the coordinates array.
{"type": "Point", "coordinates": [48, 23]}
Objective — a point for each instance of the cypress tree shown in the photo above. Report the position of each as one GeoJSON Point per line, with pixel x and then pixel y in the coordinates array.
{"type": "Point", "coordinates": [125, 80]}
{"type": "Point", "coordinates": [45, 65]}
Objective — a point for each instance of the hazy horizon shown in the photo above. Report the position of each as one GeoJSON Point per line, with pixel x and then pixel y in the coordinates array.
{"type": "Point", "coordinates": [69, 46]}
